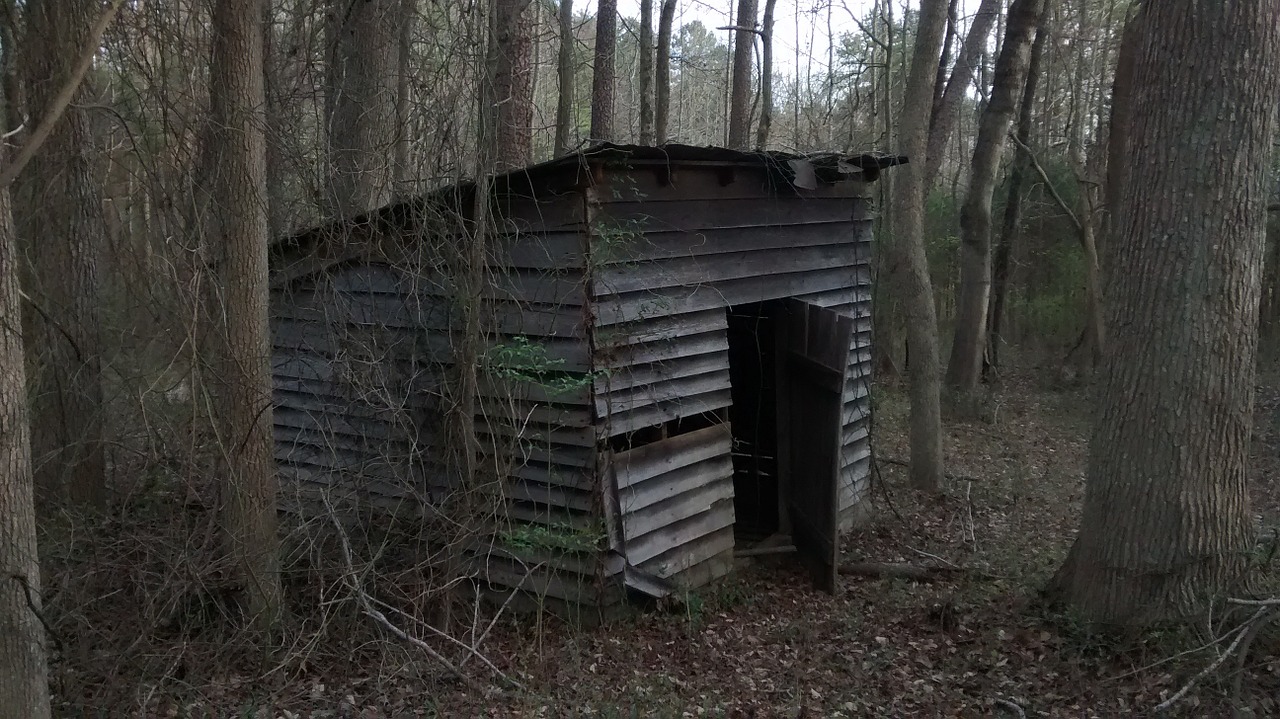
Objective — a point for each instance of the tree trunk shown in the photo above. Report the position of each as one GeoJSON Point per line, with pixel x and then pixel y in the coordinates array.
{"type": "Point", "coordinates": [766, 76]}
{"type": "Point", "coordinates": [910, 261]}
{"type": "Point", "coordinates": [740, 92]}
{"type": "Point", "coordinates": [512, 84]}
{"type": "Point", "coordinates": [646, 72]}
{"type": "Point", "coordinates": [964, 372]}
{"type": "Point", "coordinates": [361, 103]}
{"type": "Point", "coordinates": [944, 63]}
{"type": "Point", "coordinates": [662, 93]}
{"type": "Point", "coordinates": [239, 193]}
{"type": "Point", "coordinates": [1118, 131]}
{"type": "Point", "coordinates": [1166, 525]}
{"type": "Point", "coordinates": [24, 683]}
{"type": "Point", "coordinates": [62, 229]}
{"type": "Point", "coordinates": [947, 109]}
{"type": "Point", "coordinates": [565, 66]}
{"type": "Point", "coordinates": [603, 80]}
{"type": "Point", "coordinates": [403, 171]}
{"type": "Point", "coordinates": [1012, 224]}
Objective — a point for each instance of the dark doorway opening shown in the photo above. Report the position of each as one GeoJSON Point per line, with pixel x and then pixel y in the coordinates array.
{"type": "Point", "coordinates": [753, 372]}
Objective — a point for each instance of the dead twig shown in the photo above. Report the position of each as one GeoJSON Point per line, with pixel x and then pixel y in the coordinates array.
{"type": "Point", "coordinates": [1240, 633]}
{"type": "Point", "coordinates": [897, 570]}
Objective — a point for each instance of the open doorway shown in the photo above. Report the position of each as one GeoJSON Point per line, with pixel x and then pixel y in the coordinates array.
{"type": "Point", "coordinates": [753, 372]}
{"type": "Point", "coordinates": [788, 363]}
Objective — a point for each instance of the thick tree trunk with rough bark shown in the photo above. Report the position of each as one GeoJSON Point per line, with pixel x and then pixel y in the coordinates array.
{"type": "Point", "coordinates": [361, 103]}
{"type": "Point", "coordinates": [1166, 524]}
{"type": "Point", "coordinates": [1118, 126]}
{"type": "Point", "coordinates": [910, 262]}
{"type": "Point", "coordinates": [565, 101]}
{"type": "Point", "coordinates": [964, 372]}
{"type": "Point", "coordinates": [766, 76]}
{"type": "Point", "coordinates": [603, 80]}
{"type": "Point", "coordinates": [24, 684]}
{"type": "Point", "coordinates": [512, 84]}
{"type": "Point", "coordinates": [62, 231]}
{"type": "Point", "coordinates": [740, 90]}
{"type": "Point", "coordinates": [239, 194]}
{"type": "Point", "coordinates": [947, 108]}
{"type": "Point", "coordinates": [662, 93]}
{"type": "Point", "coordinates": [1012, 222]}
{"type": "Point", "coordinates": [646, 72]}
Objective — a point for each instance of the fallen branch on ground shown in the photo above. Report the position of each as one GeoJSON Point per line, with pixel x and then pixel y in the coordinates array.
{"type": "Point", "coordinates": [1243, 637]}
{"type": "Point", "coordinates": [898, 570]}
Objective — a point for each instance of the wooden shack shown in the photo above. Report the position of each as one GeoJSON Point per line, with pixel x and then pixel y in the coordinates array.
{"type": "Point", "coordinates": [675, 361]}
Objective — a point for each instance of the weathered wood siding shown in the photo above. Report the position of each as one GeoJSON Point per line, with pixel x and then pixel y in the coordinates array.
{"type": "Point", "coordinates": [665, 262]}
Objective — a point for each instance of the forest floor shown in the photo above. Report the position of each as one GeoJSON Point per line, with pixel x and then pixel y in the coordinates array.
{"type": "Point", "coordinates": [763, 643]}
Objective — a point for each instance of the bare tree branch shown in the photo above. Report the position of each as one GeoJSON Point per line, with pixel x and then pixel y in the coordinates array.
{"type": "Point", "coordinates": [59, 104]}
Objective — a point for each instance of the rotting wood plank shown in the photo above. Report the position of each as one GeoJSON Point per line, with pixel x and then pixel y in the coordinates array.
{"type": "Point", "coordinates": [657, 413]}
{"type": "Point", "coordinates": [614, 309]}
{"type": "Point", "coordinates": [639, 375]}
{"type": "Point", "coordinates": [681, 182]}
{"type": "Point", "coordinates": [673, 482]}
{"type": "Point", "coordinates": [718, 516]}
{"type": "Point", "coordinates": [692, 271]}
{"type": "Point", "coordinates": [715, 486]}
{"type": "Point", "coordinates": [616, 403]}
{"type": "Point", "coordinates": [693, 216]}
{"type": "Point", "coordinates": [686, 564]}
{"type": "Point", "coordinates": [657, 458]}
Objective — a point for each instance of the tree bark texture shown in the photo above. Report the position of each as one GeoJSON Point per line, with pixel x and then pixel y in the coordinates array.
{"type": "Point", "coordinates": [361, 103]}
{"type": "Point", "coordinates": [910, 262]}
{"type": "Point", "coordinates": [646, 72]}
{"type": "Point", "coordinates": [947, 109]}
{"type": "Point", "coordinates": [1166, 523]}
{"type": "Point", "coordinates": [1011, 225]}
{"type": "Point", "coordinates": [603, 80]}
{"type": "Point", "coordinates": [62, 232]}
{"type": "Point", "coordinates": [964, 371]}
{"type": "Point", "coordinates": [662, 58]}
{"type": "Point", "coordinates": [740, 89]}
{"type": "Point", "coordinates": [1118, 130]}
{"type": "Point", "coordinates": [239, 193]}
{"type": "Point", "coordinates": [24, 684]}
{"type": "Point", "coordinates": [766, 76]}
{"type": "Point", "coordinates": [512, 84]}
{"type": "Point", "coordinates": [565, 74]}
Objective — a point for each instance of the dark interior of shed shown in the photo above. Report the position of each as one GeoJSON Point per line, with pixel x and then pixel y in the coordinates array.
{"type": "Point", "coordinates": [753, 373]}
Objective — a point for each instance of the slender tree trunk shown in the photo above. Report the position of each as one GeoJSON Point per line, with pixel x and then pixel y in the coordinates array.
{"type": "Point", "coordinates": [62, 229]}
{"type": "Point", "coordinates": [740, 94]}
{"type": "Point", "coordinates": [403, 168]}
{"type": "Point", "coordinates": [662, 99]}
{"type": "Point", "coordinates": [947, 109]}
{"type": "Point", "coordinates": [361, 103]}
{"type": "Point", "coordinates": [565, 74]}
{"type": "Point", "coordinates": [646, 72]}
{"type": "Point", "coordinates": [944, 64]}
{"type": "Point", "coordinates": [1118, 131]}
{"type": "Point", "coordinates": [766, 76]}
{"type": "Point", "coordinates": [239, 193]}
{"type": "Point", "coordinates": [1012, 224]}
{"type": "Point", "coordinates": [1166, 525]}
{"type": "Point", "coordinates": [512, 84]}
{"type": "Point", "coordinates": [964, 372]}
{"type": "Point", "coordinates": [603, 79]}
{"type": "Point", "coordinates": [24, 683]}
{"type": "Point", "coordinates": [910, 261]}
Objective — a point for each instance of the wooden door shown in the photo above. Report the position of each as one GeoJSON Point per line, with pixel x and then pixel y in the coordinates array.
{"type": "Point", "coordinates": [814, 361]}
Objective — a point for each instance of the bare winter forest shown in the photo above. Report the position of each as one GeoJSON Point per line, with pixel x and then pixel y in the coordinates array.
{"type": "Point", "coordinates": [670, 358]}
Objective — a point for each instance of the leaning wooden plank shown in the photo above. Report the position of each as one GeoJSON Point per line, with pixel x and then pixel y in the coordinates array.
{"type": "Point", "coordinates": [716, 485]}
{"type": "Point", "coordinates": [680, 479]}
{"type": "Point", "coordinates": [684, 555]}
{"type": "Point", "coordinates": [708, 570]}
{"type": "Point", "coordinates": [717, 517]}
{"type": "Point", "coordinates": [558, 584]}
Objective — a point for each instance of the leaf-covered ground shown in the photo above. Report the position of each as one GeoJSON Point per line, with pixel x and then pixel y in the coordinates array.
{"type": "Point", "coordinates": [977, 642]}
